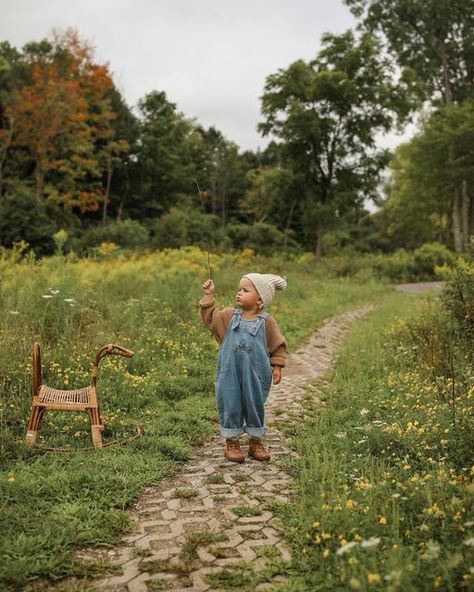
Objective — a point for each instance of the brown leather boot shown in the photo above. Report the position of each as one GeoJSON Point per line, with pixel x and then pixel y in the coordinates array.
{"type": "Point", "coordinates": [257, 450]}
{"type": "Point", "coordinates": [232, 452]}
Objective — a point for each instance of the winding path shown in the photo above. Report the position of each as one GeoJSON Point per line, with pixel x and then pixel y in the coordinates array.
{"type": "Point", "coordinates": [215, 517]}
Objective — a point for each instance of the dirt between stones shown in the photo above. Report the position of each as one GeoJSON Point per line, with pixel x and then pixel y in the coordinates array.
{"type": "Point", "coordinates": [215, 518]}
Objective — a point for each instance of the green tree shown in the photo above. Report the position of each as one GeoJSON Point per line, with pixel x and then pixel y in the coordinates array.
{"type": "Point", "coordinates": [267, 199]}
{"type": "Point", "coordinates": [430, 172]}
{"type": "Point", "coordinates": [117, 152]}
{"type": "Point", "coordinates": [435, 40]}
{"type": "Point", "coordinates": [25, 218]}
{"type": "Point", "coordinates": [413, 212]}
{"type": "Point", "coordinates": [164, 171]}
{"type": "Point", "coordinates": [12, 75]}
{"type": "Point", "coordinates": [57, 121]}
{"type": "Point", "coordinates": [432, 38]}
{"type": "Point", "coordinates": [222, 172]}
{"type": "Point", "coordinates": [327, 113]}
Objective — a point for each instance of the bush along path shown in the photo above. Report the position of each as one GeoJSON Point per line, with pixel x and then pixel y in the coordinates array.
{"type": "Point", "coordinates": [215, 526]}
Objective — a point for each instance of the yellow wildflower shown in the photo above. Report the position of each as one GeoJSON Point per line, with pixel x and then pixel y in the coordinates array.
{"type": "Point", "coordinates": [352, 561]}
{"type": "Point", "coordinates": [354, 584]}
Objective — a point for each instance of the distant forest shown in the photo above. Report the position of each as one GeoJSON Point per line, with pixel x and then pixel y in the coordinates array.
{"type": "Point", "coordinates": [78, 163]}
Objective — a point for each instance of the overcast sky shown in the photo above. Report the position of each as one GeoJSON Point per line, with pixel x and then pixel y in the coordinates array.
{"type": "Point", "coordinates": [211, 57]}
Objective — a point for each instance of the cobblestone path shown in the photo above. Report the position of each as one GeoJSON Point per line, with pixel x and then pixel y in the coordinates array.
{"type": "Point", "coordinates": [214, 520]}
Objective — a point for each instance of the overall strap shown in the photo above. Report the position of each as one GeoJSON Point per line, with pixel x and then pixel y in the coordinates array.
{"type": "Point", "coordinates": [261, 318]}
{"type": "Point", "coordinates": [237, 316]}
{"type": "Point", "coordinates": [235, 320]}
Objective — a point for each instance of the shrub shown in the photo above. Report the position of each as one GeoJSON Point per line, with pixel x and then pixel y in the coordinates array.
{"type": "Point", "coordinates": [24, 217]}
{"type": "Point", "coordinates": [458, 296]}
{"type": "Point", "coordinates": [184, 226]}
{"type": "Point", "coordinates": [398, 266]}
{"type": "Point", "coordinates": [429, 256]}
{"type": "Point", "coordinates": [263, 238]}
{"type": "Point", "coordinates": [124, 233]}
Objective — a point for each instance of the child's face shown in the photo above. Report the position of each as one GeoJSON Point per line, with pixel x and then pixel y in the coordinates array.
{"type": "Point", "coordinates": [247, 297]}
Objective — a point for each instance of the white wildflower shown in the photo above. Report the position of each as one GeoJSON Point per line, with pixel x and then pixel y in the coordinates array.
{"type": "Point", "coordinates": [394, 577]}
{"type": "Point", "coordinates": [370, 542]}
{"type": "Point", "coordinates": [345, 548]}
{"type": "Point", "coordinates": [14, 312]}
{"type": "Point", "coordinates": [54, 291]}
{"type": "Point", "coordinates": [364, 411]}
{"type": "Point", "coordinates": [469, 542]}
{"type": "Point", "coordinates": [469, 523]}
{"type": "Point", "coordinates": [433, 549]}
{"type": "Point", "coordinates": [46, 296]}
{"type": "Point", "coordinates": [340, 435]}
{"type": "Point", "coordinates": [69, 300]}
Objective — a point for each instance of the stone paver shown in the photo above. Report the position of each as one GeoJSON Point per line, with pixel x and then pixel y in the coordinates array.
{"type": "Point", "coordinates": [215, 514]}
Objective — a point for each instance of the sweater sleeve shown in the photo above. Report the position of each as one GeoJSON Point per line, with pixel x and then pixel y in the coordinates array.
{"type": "Point", "coordinates": [276, 343]}
{"type": "Point", "coordinates": [215, 320]}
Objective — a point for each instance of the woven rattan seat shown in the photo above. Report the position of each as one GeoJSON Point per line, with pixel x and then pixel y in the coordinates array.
{"type": "Point", "coordinates": [52, 396]}
{"type": "Point", "coordinates": [82, 399]}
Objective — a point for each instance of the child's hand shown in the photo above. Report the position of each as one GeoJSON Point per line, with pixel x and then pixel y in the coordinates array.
{"type": "Point", "coordinates": [208, 287]}
{"type": "Point", "coordinates": [276, 372]}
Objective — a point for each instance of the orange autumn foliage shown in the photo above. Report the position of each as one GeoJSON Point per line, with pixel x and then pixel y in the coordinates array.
{"type": "Point", "coordinates": [62, 118]}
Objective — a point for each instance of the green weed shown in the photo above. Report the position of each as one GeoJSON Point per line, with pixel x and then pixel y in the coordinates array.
{"type": "Point", "coordinates": [245, 511]}
{"type": "Point", "coordinates": [197, 538]}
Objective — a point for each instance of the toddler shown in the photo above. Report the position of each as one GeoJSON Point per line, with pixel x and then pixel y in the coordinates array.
{"type": "Point", "coordinates": [252, 353]}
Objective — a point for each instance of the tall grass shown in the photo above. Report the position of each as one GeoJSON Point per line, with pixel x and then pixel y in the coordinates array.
{"type": "Point", "coordinates": [54, 502]}
{"type": "Point", "coordinates": [385, 477]}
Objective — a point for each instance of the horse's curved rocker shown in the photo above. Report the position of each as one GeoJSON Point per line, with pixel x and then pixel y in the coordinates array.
{"type": "Point", "coordinates": [83, 399]}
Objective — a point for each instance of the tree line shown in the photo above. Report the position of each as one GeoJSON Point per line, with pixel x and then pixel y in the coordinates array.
{"type": "Point", "coordinates": [75, 156]}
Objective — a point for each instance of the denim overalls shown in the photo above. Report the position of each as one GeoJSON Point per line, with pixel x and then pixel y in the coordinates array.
{"type": "Point", "coordinates": [244, 377]}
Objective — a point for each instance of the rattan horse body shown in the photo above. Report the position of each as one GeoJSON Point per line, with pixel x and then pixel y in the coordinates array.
{"type": "Point", "coordinates": [82, 399]}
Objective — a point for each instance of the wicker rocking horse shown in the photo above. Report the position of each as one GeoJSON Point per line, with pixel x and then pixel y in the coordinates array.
{"type": "Point", "coordinates": [83, 399]}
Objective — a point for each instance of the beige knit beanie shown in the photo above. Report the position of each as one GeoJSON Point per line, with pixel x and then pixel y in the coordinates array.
{"type": "Point", "coordinates": [266, 284]}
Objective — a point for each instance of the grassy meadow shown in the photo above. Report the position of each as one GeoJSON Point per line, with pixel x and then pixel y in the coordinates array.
{"type": "Point", "coordinates": [54, 502]}
{"type": "Point", "coordinates": [385, 473]}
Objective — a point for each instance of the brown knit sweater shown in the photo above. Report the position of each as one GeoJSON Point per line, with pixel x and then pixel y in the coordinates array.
{"type": "Point", "coordinates": [217, 320]}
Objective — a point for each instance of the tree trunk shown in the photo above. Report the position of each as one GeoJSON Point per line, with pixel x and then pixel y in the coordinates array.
{"type": "Point", "coordinates": [107, 188]}
{"type": "Point", "coordinates": [465, 203]}
{"type": "Point", "coordinates": [39, 180]}
{"type": "Point", "coordinates": [458, 217]}
{"type": "Point", "coordinates": [213, 197]}
{"type": "Point", "coordinates": [471, 217]}
{"type": "Point", "coordinates": [224, 207]}
{"type": "Point", "coordinates": [448, 95]}
{"type": "Point", "coordinates": [4, 154]}
{"type": "Point", "coordinates": [124, 195]}
{"type": "Point", "coordinates": [456, 224]}
{"type": "Point", "coordinates": [288, 221]}
{"type": "Point", "coordinates": [319, 241]}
